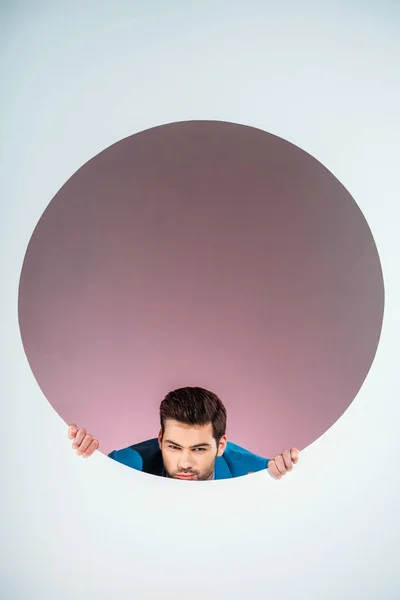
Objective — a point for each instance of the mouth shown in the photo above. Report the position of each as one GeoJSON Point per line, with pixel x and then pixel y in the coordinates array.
{"type": "Point", "coordinates": [185, 476]}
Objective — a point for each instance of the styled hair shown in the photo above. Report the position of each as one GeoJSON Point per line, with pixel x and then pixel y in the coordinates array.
{"type": "Point", "coordinates": [194, 406]}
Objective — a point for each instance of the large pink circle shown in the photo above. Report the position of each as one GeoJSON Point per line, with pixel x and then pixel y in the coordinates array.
{"type": "Point", "coordinates": [202, 253]}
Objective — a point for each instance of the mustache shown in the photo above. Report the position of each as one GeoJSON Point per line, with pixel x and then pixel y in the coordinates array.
{"type": "Point", "coordinates": [186, 473]}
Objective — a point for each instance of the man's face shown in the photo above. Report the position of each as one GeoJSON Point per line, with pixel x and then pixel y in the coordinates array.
{"type": "Point", "coordinates": [189, 451]}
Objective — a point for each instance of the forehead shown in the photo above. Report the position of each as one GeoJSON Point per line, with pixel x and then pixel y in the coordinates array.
{"type": "Point", "coordinates": [188, 435]}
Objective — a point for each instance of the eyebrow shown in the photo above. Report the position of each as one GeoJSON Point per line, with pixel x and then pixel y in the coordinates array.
{"type": "Point", "coordinates": [195, 446]}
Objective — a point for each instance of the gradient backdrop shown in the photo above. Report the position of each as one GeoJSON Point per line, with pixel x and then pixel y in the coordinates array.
{"type": "Point", "coordinates": [202, 253]}
{"type": "Point", "coordinates": [76, 79]}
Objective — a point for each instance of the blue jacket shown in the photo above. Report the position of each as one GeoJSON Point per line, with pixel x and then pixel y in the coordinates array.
{"type": "Point", "coordinates": [146, 456]}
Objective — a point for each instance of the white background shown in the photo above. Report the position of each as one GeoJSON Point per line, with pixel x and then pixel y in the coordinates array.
{"type": "Point", "coordinates": [77, 77]}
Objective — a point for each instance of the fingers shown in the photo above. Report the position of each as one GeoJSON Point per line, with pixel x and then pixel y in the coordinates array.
{"type": "Point", "coordinates": [83, 443]}
{"type": "Point", "coordinates": [282, 463]}
{"type": "Point", "coordinates": [92, 447]}
{"type": "Point", "coordinates": [295, 455]}
{"type": "Point", "coordinates": [273, 469]}
{"type": "Point", "coordinates": [87, 440]}
{"type": "Point", "coordinates": [72, 430]}
{"type": "Point", "coordinates": [80, 436]}
{"type": "Point", "coordinates": [287, 460]}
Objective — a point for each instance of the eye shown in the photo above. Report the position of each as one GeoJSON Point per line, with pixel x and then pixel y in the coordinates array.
{"type": "Point", "coordinates": [173, 447]}
{"type": "Point", "coordinates": [199, 449]}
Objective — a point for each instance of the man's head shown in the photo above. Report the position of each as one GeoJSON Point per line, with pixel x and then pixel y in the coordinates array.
{"type": "Point", "coordinates": [192, 434]}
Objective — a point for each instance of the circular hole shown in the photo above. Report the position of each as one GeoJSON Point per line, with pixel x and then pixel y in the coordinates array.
{"type": "Point", "coordinates": [210, 254]}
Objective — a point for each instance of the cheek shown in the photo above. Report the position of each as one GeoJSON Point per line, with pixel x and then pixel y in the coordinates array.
{"type": "Point", "coordinates": [204, 459]}
{"type": "Point", "coordinates": [171, 460]}
{"type": "Point", "coordinates": [168, 456]}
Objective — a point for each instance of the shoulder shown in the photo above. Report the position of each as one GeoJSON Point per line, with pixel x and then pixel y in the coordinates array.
{"type": "Point", "coordinates": [241, 461]}
{"type": "Point", "coordinates": [142, 456]}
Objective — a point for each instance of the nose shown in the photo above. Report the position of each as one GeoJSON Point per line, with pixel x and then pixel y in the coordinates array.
{"type": "Point", "coordinates": [185, 462]}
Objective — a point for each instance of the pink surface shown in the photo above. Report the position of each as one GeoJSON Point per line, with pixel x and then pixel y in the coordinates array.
{"type": "Point", "coordinates": [202, 253]}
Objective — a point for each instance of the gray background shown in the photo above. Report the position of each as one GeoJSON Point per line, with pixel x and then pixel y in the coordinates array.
{"type": "Point", "coordinates": [75, 80]}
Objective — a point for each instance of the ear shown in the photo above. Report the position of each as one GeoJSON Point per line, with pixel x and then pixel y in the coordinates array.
{"type": "Point", "coordinates": [222, 445]}
{"type": "Point", "coordinates": [160, 438]}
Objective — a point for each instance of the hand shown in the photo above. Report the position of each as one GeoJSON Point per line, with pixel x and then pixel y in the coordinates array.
{"type": "Point", "coordinates": [282, 463]}
{"type": "Point", "coordinates": [84, 444]}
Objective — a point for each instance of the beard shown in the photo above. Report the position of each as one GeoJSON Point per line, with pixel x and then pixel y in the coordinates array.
{"type": "Point", "coordinates": [197, 475]}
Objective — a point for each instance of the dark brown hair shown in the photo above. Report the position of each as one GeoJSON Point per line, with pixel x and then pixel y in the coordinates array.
{"type": "Point", "coordinates": [194, 406]}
